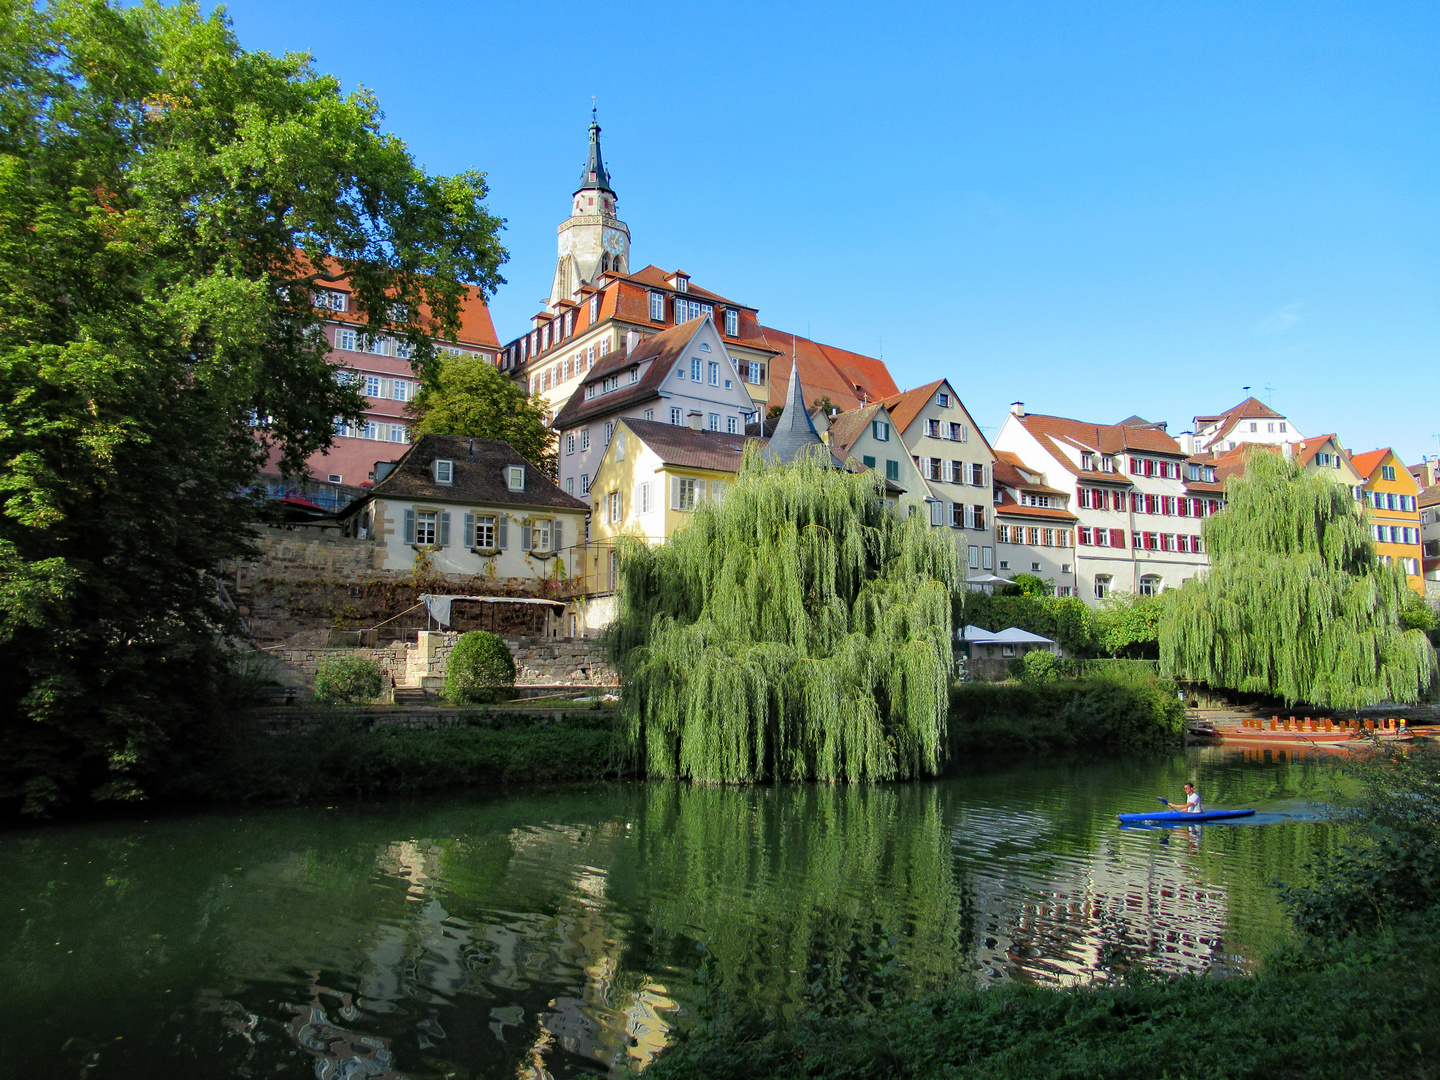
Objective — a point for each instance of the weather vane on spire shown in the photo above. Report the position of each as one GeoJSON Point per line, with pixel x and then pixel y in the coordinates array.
{"type": "Point", "coordinates": [594, 110]}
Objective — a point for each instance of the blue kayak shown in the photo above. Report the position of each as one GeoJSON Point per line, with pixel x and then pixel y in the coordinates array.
{"type": "Point", "coordinates": [1183, 815]}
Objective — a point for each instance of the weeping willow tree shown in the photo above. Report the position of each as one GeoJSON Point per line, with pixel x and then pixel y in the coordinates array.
{"type": "Point", "coordinates": [798, 631]}
{"type": "Point", "coordinates": [1295, 604]}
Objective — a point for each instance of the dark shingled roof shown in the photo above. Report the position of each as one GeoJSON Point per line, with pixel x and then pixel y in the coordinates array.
{"type": "Point", "coordinates": [794, 432]}
{"type": "Point", "coordinates": [479, 474]}
{"type": "Point", "coordinates": [594, 177]}
{"type": "Point", "coordinates": [688, 448]}
{"type": "Point", "coordinates": [663, 350]}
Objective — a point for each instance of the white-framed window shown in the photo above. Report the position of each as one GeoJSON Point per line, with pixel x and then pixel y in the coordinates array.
{"type": "Point", "coordinates": [484, 537]}
{"type": "Point", "coordinates": [569, 443]}
{"type": "Point", "coordinates": [426, 528]}
{"type": "Point", "coordinates": [372, 385]}
{"type": "Point", "coordinates": [604, 348]}
{"type": "Point", "coordinates": [345, 339]}
{"type": "Point", "coordinates": [686, 492]}
{"type": "Point", "coordinates": [714, 421]}
{"type": "Point", "coordinates": [649, 414]}
{"type": "Point", "coordinates": [399, 433]}
{"type": "Point", "coordinates": [594, 309]}
{"type": "Point", "coordinates": [675, 416]}
{"type": "Point", "coordinates": [400, 390]}
{"type": "Point", "coordinates": [732, 322]}
{"type": "Point", "coordinates": [609, 431]}
{"type": "Point", "coordinates": [754, 379]}
{"type": "Point", "coordinates": [1149, 584]}
{"type": "Point", "coordinates": [1102, 586]}
{"type": "Point", "coordinates": [1387, 472]}
{"type": "Point", "coordinates": [612, 507]}
{"type": "Point", "coordinates": [542, 534]}
{"type": "Point", "coordinates": [942, 399]}
{"type": "Point", "coordinates": [584, 483]}
{"type": "Point", "coordinates": [932, 428]}
{"type": "Point", "coordinates": [330, 299]}
{"type": "Point", "coordinates": [444, 471]}
{"type": "Point", "coordinates": [657, 307]}
{"type": "Point", "coordinates": [584, 439]}
{"type": "Point", "coordinates": [635, 374]}
{"type": "Point", "coordinates": [515, 477]}
{"type": "Point", "coordinates": [732, 425]}
{"type": "Point", "coordinates": [881, 430]}
{"type": "Point", "coordinates": [569, 485]}
{"type": "Point", "coordinates": [644, 497]}
{"type": "Point", "coordinates": [714, 373]}
{"type": "Point", "coordinates": [696, 369]}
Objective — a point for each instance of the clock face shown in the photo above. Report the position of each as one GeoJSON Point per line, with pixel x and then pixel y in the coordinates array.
{"type": "Point", "coordinates": [613, 241]}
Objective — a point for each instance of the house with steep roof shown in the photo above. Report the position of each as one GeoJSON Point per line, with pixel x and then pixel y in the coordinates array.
{"type": "Point", "coordinates": [1251, 421]}
{"type": "Point", "coordinates": [1391, 498]}
{"type": "Point", "coordinates": [457, 505]}
{"type": "Point", "coordinates": [683, 377]}
{"type": "Point", "coordinates": [865, 439]}
{"type": "Point", "coordinates": [1034, 526]}
{"type": "Point", "coordinates": [955, 462]}
{"type": "Point", "coordinates": [597, 303]}
{"type": "Point", "coordinates": [1138, 503]}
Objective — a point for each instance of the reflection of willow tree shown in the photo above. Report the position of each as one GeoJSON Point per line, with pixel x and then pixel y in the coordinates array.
{"type": "Point", "coordinates": [777, 881]}
{"type": "Point", "coordinates": [799, 630]}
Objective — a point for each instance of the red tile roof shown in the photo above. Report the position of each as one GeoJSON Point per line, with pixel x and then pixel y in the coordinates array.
{"type": "Point", "coordinates": [476, 326]}
{"type": "Point", "coordinates": [1249, 409]}
{"type": "Point", "coordinates": [1112, 439]}
{"type": "Point", "coordinates": [827, 371]}
{"type": "Point", "coordinates": [1010, 508]}
{"type": "Point", "coordinates": [1368, 462]}
{"type": "Point", "coordinates": [1010, 471]}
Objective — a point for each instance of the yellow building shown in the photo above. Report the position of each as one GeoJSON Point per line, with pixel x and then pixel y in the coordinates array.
{"type": "Point", "coordinates": [1325, 455]}
{"type": "Point", "coordinates": [1391, 499]}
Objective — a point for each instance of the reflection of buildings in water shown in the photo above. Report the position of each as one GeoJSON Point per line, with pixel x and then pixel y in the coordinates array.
{"type": "Point", "coordinates": [1068, 919]}
{"type": "Point", "coordinates": [506, 956]}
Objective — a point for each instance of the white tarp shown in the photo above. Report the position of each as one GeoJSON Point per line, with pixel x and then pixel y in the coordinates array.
{"type": "Point", "coordinates": [438, 604]}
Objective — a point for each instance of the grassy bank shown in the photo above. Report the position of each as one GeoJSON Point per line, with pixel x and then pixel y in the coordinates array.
{"type": "Point", "coordinates": [1112, 710]}
{"type": "Point", "coordinates": [344, 757]}
{"type": "Point", "coordinates": [1358, 996]}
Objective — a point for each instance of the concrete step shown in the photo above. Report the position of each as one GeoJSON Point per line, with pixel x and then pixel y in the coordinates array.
{"type": "Point", "coordinates": [413, 695]}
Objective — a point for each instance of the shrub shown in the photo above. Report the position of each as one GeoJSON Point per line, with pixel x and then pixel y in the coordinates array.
{"type": "Point", "coordinates": [481, 670]}
{"type": "Point", "coordinates": [1040, 665]}
{"type": "Point", "coordinates": [347, 680]}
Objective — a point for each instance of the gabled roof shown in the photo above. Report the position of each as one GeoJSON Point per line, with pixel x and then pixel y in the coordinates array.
{"type": "Point", "coordinates": [689, 449]}
{"type": "Point", "coordinates": [1010, 508]}
{"type": "Point", "coordinates": [1430, 496]}
{"type": "Point", "coordinates": [828, 371]}
{"type": "Point", "coordinates": [662, 350]}
{"type": "Point", "coordinates": [1010, 471]}
{"type": "Point", "coordinates": [905, 406]}
{"type": "Point", "coordinates": [476, 326]}
{"type": "Point", "coordinates": [1306, 449]}
{"type": "Point", "coordinates": [847, 428]}
{"type": "Point", "coordinates": [1111, 439]}
{"type": "Point", "coordinates": [1249, 409]}
{"type": "Point", "coordinates": [1366, 463]}
{"type": "Point", "coordinates": [479, 476]}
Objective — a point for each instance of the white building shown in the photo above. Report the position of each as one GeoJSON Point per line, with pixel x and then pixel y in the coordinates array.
{"type": "Point", "coordinates": [1137, 498]}
{"type": "Point", "coordinates": [682, 376]}
{"type": "Point", "coordinates": [1034, 526]}
{"type": "Point", "coordinates": [469, 506]}
{"type": "Point", "coordinates": [1251, 421]}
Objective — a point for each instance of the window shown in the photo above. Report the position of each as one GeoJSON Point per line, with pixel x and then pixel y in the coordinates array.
{"type": "Point", "coordinates": [975, 561]}
{"type": "Point", "coordinates": [868, 461]}
{"type": "Point", "coordinates": [1034, 566]}
{"type": "Point", "coordinates": [635, 374]}
{"type": "Point", "coordinates": [515, 477]}
{"type": "Point", "coordinates": [399, 433]}
{"type": "Point", "coordinates": [732, 322]}
{"type": "Point", "coordinates": [644, 499]}
{"type": "Point", "coordinates": [675, 417]}
{"type": "Point", "coordinates": [732, 425]}
{"type": "Point", "coordinates": [1004, 564]}
{"type": "Point", "coordinates": [612, 507]}
{"type": "Point", "coordinates": [754, 374]}
{"type": "Point", "coordinates": [484, 535]}
{"type": "Point", "coordinates": [444, 471]}
{"type": "Point", "coordinates": [604, 349]}
{"type": "Point", "coordinates": [425, 528]}
{"type": "Point", "coordinates": [649, 414]}
{"type": "Point", "coordinates": [686, 492]}
{"type": "Point", "coordinates": [1102, 586]}
{"type": "Point", "coordinates": [1083, 536]}
{"type": "Point", "coordinates": [1107, 463]}
{"type": "Point", "coordinates": [942, 399]}
{"type": "Point", "coordinates": [955, 430]}
{"type": "Point", "coordinates": [657, 307]}
{"type": "Point", "coordinates": [329, 299]}
{"type": "Point", "coordinates": [892, 469]}
{"type": "Point", "coordinates": [609, 431]}
{"type": "Point", "coordinates": [1282, 425]}
{"type": "Point", "coordinates": [1087, 462]}
{"type": "Point", "coordinates": [714, 421]}
{"type": "Point", "coordinates": [1387, 472]}
{"type": "Point", "coordinates": [569, 443]}
{"type": "Point", "coordinates": [372, 386]}
{"type": "Point", "coordinates": [881, 430]}
{"type": "Point", "coordinates": [977, 474]}
{"type": "Point", "coordinates": [989, 556]}
{"type": "Point", "coordinates": [1412, 566]}
{"type": "Point", "coordinates": [584, 439]}
{"type": "Point", "coordinates": [569, 485]}
{"type": "Point", "coordinates": [937, 512]}
{"type": "Point", "coordinates": [584, 483]}
{"type": "Point", "coordinates": [695, 366]}
{"type": "Point", "coordinates": [714, 373]}
{"type": "Point", "coordinates": [345, 339]}
{"type": "Point", "coordinates": [932, 428]}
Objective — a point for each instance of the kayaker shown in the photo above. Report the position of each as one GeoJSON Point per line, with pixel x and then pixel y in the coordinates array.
{"type": "Point", "coordinates": [1192, 801]}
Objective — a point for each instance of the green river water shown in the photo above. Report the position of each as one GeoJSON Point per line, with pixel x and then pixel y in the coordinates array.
{"type": "Point", "coordinates": [567, 931]}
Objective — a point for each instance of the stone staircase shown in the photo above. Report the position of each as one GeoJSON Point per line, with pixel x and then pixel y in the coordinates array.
{"type": "Point", "coordinates": [417, 685]}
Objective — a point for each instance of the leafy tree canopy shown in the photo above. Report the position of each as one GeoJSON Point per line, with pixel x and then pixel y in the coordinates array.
{"type": "Point", "coordinates": [1295, 604]}
{"type": "Point", "coordinates": [168, 204]}
{"type": "Point", "coordinates": [469, 396]}
{"type": "Point", "coordinates": [799, 630]}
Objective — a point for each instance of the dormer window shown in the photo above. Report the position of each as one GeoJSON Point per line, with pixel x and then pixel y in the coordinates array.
{"type": "Point", "coordinates": [594, 309]}
{"type": "Point", "coordinates": [444, 471]}
{"type": "Point", "coordinates": [1087, 462]}
{"type": "Point", "coordinates": [732, 322]}
{"type": "Point", "coordinates": [657, 307]}
{"type": "Point", "coordinates": [1210, 474]}
{"type": "Point", "coordinates": [515, 477]}
{"type": "Point", "coordinates": [682, 283]}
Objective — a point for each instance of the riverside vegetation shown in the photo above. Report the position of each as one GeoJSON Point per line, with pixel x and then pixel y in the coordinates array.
{"type": "Point", "coordinates": [1357, 995]}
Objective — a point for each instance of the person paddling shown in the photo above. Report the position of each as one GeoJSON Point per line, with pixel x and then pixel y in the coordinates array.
{"type": "Point", "coordinates": [1192, 801]}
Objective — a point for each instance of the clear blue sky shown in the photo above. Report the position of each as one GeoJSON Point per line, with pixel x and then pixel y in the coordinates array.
{"type": "Point", "coordinates": [1099, 209]}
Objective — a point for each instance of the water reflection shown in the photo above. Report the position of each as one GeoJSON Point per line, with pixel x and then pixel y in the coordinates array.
{"type": "Point", "coordinates": [566, 933]}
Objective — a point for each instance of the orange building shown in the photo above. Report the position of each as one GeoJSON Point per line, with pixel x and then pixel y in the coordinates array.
{"type": "Point", "coordinates": [1391, 496]}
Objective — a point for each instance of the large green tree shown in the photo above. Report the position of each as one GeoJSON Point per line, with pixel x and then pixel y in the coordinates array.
{"type": "Point", "coordinates": [1295, 604]}
{"type": "Point", "coordinates": [169, 204]}
{"type": "Point", "coordinates": [470, 396]}
{"type": "Point", "coordinates": [798, 630]}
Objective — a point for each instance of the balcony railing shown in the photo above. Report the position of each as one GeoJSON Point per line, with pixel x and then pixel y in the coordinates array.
{"type": "Point", "coordinates": [591, 569]}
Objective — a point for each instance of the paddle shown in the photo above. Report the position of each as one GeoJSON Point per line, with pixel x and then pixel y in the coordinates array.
{"type": "Point", "coordinates": [1163, 799]}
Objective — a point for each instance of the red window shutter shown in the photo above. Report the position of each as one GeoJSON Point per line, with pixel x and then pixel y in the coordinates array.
{"type": "Point", "coordinates": [1134, 466]}
{"type": "Point", "coordinates": [1117, 538]}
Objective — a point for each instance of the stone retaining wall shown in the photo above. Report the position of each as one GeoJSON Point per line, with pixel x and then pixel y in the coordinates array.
{"type": "Point", "coordinates": [299, 720]}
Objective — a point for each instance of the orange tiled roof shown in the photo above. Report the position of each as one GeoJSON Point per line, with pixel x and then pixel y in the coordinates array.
{"type": "Point", "coordinates": [905, 405]}
{"type": "Point", "coordinates": [1306, 449]}
{"type": "Point", "coordinates": [847, 427]}
{"type": "Point", "coordinates": [1368, 462]}
{"type": "Point", "coordinates": [827, 371]}
{"type": "Point", "coordinates": [1249, 409]}
{"type": "Point", "coordinates": [1010, 508]}
{"type": "Point", "coordinates": [1010, 471]}
{"type": "Point", "coordinates": [1112, 439]}
{"type": "Point", "coordinates": [476, 326]}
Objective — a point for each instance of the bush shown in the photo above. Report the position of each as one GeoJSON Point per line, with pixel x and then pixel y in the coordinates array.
{"type": "Point", "coordinates": [481, 670]}
{"type": "Point", "coordinates": [1040, 665]}
{"type": "Point", "coordinates": [347, 680]}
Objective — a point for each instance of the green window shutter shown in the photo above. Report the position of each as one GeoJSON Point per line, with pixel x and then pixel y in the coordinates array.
{"type": "Point", "coordinates": [502, 532]}
{"type": "Point", "coordinates": [555, 544]}
{"type": "Point", "coordinates": [469, 537]}
{"type": "Point", "coordinates": [444, 537]}
{"type": "Point", "coordinates": [409, 526]}
{"type": "Point", "coordinates": [524, 537]}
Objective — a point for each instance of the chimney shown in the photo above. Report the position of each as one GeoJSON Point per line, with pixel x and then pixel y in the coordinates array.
{"type": "Point", "coordinates": [695, 418]}
{"type": "Point", "coordinates": [1017, 408]}
{"type": "Point", "coordinates": [632, 339]}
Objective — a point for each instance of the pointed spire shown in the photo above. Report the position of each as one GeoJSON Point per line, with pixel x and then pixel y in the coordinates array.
{"type": "Point", "coordinates": [595, 178]}
{"type": "Point", "coordinates": [794, 431]}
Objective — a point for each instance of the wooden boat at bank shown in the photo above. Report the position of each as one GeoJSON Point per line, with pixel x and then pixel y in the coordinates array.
{"type": "Point", "coordinates": [1317, 731]}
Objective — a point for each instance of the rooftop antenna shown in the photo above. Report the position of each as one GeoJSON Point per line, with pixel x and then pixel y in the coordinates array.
{"type": "Point", "coordinates": [1270, 396]}
{"type": "Point", "coordinates": [1245, 388]}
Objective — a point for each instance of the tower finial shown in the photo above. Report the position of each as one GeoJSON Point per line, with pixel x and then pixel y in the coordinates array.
{"type": "Point", "coordinates": [594, 111]}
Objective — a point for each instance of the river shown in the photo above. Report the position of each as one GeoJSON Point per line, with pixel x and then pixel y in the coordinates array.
{"type": "Point", "coordinates": [567, 931]}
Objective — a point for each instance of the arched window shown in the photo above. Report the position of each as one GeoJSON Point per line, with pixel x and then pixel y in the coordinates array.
{"type": "Point", "coordinates": [604, 263]}
{"type": "Point", "coordinates": [1150, 585]}
{"type": "Point", "coordinates": [618, 265]}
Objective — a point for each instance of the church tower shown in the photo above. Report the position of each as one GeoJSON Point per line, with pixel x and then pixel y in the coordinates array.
{"type": "Point", "coordinates": [592, 239]}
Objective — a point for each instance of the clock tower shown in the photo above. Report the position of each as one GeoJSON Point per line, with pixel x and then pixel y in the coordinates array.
{"type": "Point", "coordinates": [592, 239]}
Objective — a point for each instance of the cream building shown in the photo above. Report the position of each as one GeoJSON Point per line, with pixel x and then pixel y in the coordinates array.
{"type": "Point", "coordinates": [1034, 526]}
{"type": "Point", "coordinates": [1251, 421]}
{"type": "Point", "coordinates": [866, 438]}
